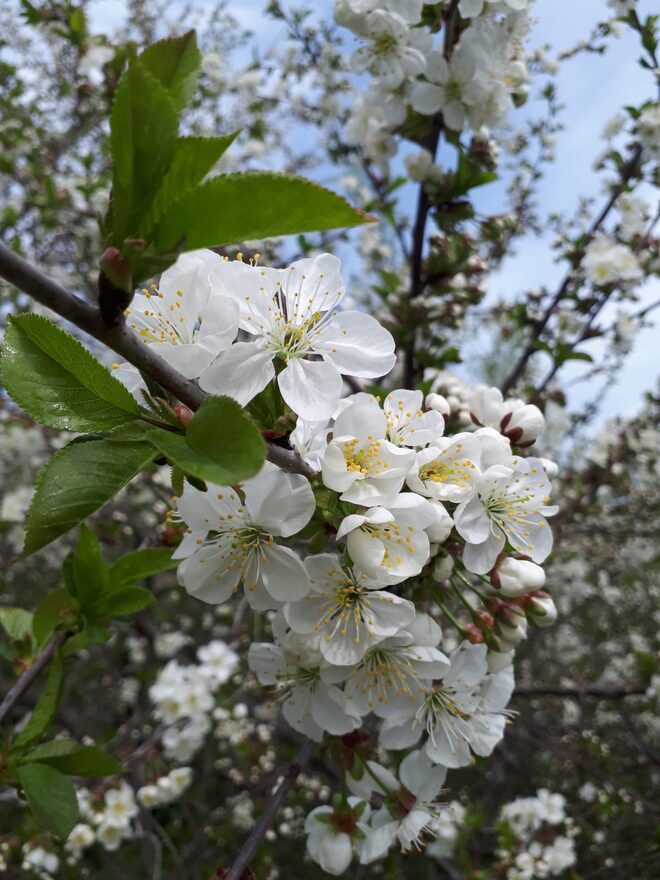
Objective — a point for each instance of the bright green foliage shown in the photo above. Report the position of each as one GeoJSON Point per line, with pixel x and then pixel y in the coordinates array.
{"type": "Point", "coordinates": [141, 564]}
{"type": "Point", "coordinates": [51, 797]}
{"type": "Point", "coordinates": [53, 377]}
{"type": "Point", "coordinates": [225, 434]}
{"type": "Point", "coordinates": [222, 444]}
{"type": "Point", "coordinates": [78, 480]}
{"type": "Point", "coordinates": [160, 205]}
{"type": "Point", "coordinates": [239, 207]}
{"type": "Point", "coordinates": [175, 63]}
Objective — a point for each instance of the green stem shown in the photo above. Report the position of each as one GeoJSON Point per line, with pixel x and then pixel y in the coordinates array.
{"type": "Point", "coordinates": [448, 613]}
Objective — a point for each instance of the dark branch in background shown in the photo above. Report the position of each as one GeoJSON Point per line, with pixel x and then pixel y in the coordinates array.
{"type": "Point", "coordinates": [539, 326]}
{"type": "Point", "coordinates": [249, 848]}
{"type": "Point", "coordinates": [601, 692]}
{"type": "Point", "coordinates": [423, 208]}
{"type": "Point", "coordinates": [121, 340]}
{"type": "Point", "coordinates": [598, 306]}
{"type": "Point", "coordinates": [24, 681]}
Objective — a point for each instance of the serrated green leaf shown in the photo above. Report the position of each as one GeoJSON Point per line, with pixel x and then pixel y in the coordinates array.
{"type": "Point", "coordinates": [53, 377]}
{"type": "Point", "coordinates": [225, 434]}
{"type": "Point", "coordinates": [47, 705]}
{"type": "Point", "coordinates": [193, 158]}
{"type": "Point", "coordinates": [175, 63]}
{"type": "Point", "coordinates": [78, 480]}
{"type": "Point", "coordinates": [141, 564]}
{"type": "Point", "coordinates": [143, 131]}
{"type": "Point", "coordinates": [233, 208]}
{"type": "Point", "coordinates": [16, 622]}
{"type": "Point", "coordinates": [176, 450]}
{"type": "Point", "coordinates": [128, 600]}
{"type": "Point", "coordinates": [73, 759]}
{"type": "Point", "coordinates": [90, 571]}
{"type": "Point", "coordinates": [54, 609]}
{"type": "Point", "coordinates": [50, 796]}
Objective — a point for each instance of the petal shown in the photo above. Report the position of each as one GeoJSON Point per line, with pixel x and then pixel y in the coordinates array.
{"type": "Point", "coordinates": [266, 661]}
{"type": "Point", "coordinates": [312, 286]}
{"type": "Point", "coordinates": [427, 98]}
{"type": "Point", "coordinates": [241, 372]}
{"type": "Point", "coordinates": [206, 577]}
{"type": "Point", "coordinates": [378, 842]}
{"type": "Point", "coordinates": [328, 710]}
{"type": "Point", "coordinates": [356, 344]}
{"type": "Point", "coordinates": [311, 388]}
{"type": "Point", "coordinates": [421, 777]}
{"type": "Point", "coordinates": [282, 574]}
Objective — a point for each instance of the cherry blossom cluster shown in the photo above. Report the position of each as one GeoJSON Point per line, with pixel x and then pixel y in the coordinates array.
{"type": "Point", "coordinates": [474, 84]}
{"type": "Point", "coordinates": [411, 511]}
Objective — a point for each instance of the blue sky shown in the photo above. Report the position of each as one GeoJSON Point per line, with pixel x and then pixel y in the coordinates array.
{"type": "Point", "coordinates": [592, 88]}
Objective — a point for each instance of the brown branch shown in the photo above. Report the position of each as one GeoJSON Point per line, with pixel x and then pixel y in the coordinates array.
{"type": "Point", "coordinates": [249, 848]}
{"type": "Point", "coordinates": [539, 326]}
{"type": "Point", "coordinates": [26, 678]}
{"type": "Point", "coordinates": [602, 692]}
{"type": "Point", "coordinates": [422, 213]}
{"type": "Point", "coordinates": [121, 340]}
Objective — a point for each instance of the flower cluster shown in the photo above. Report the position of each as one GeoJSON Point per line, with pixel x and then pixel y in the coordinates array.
{"type": "Point", "coordinates": [406, 513]}
{"type": "Point", "coordinates": [474, 83]}
{"type": "Point", "coordinates": [543, 835]}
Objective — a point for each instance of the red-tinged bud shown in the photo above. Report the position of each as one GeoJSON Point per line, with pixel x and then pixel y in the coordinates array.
{"type": "Point", "coordinates": [474, 634]}
{"type": "Point", "coordinates": [483, 619]}
{"type": "Point", "coordinates": [183, 413]}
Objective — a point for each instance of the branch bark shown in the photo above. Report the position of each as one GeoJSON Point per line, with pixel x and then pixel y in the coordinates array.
{"type": "Point", "coordinates": [121, 340]}
{"type": "Point", "coordinates": [26, 678]}
{"type": "Point", "coordinates": [602, 692]}
{"type": "Point", "coordinates": [249, 848]}
{"type": "Point", "coordinates": [562, 290]}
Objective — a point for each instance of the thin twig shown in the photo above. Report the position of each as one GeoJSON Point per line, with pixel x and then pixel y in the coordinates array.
{"type": "Point", "coordinates": [26, 678]}
{"type": "Point", "coordinates": [539, 326]}
{"type": "Point", "coordinates": [602, 692]}
{"type": "Point", "coordinates": [249, 848]}
{"type": "Point", "coordinates": [121, 340]}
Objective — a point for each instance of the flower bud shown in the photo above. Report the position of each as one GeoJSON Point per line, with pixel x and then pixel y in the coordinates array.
{"type": "Point", "coordinates": [438, 403]}
{"type": "Point", "coordinates": [183, 414]}
{"type": "Point", "coordinates": [442, 567]}
{"type": "Point", "coordinates": [483, 619]}
{"type": "Point", "coordinates": [542, 610]}
{"type": "Point", "coordinates": [440, 529]}
{"type": "Point", "coordinates": [515, 577]}
{"type": "Point", "coordinates": [523, 422]}
{"type": "Point", "coordinates": [550, 467]}
{"type": "Point", "coordinates": [474, 634]}
{"type": "Point", "coordinates": [487, 406]}
{"type": "Point", "coordinates": [511, 625]}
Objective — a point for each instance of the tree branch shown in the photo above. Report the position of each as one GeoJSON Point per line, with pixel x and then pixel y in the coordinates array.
{"type": "Point", "coordinates": [249, 848]}
{"type": "Point", "coordinates": [423, 208]}
{"type": "Point", "coordinates": [121, 340]}
{"type": "Point", "coordinates": [599, 691]}
{"type": "Point", "coordinates": [540, 325]}
{"type": "Point", "coordinates": [26, 678]}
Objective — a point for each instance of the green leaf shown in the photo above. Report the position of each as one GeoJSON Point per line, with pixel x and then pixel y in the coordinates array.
{"type": "Point", "coordinates": [88, 635]}
{"type": "Point", "coordinates": [224, 433]}
{"type": "Point", "coordinates": [54, 609]}
{"type": "Point", "coordinates": [47, 704]}
{"type": "Point", "coordinates": [193, 158]}
{"type": "Point", "coordinates": [50, 796]}
{"type": "Point", "coordinates": [143, 131]}
{"type": "Point", "coordinates": [141, 564]}
{"type": "Point", "coordinates": [78, 480]}
{"type": "Point", "coordinates": [53, 377]}
{"type": "Point", "coordinates": [175, 63]}
{"type": "Point", "coordinates": [238, 207]}
{"type": "Point", "coordinates": [90, 571]}
{"type": "Point", "coordinates": [176, 450]}
{"type": "Point", "coordinates": [70, 757]}
{"type": "Point", "coordinates": [128, 600]}
{"type": "Point", "coordinates": [16, 622]}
